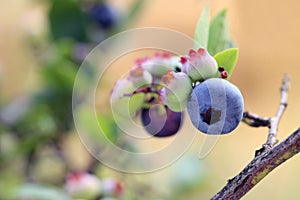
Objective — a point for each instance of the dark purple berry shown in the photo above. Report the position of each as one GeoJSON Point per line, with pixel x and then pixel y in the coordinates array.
{"type": "Point", "coordinates": [161, 123]}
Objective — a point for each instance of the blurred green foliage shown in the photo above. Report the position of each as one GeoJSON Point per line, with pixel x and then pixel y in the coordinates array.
{"type": "Point", "coordinates": [67, 20]}
{"type": "Point", "coordinates": [43, 119]}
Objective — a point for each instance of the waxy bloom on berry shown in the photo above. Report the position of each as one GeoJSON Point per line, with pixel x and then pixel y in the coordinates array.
{"type": "Point", "coordinates": [216, 106]}
{"type": "Point", "coordinates": [199, 65]}
{"type": "Point", "coordinates": [177, 88]}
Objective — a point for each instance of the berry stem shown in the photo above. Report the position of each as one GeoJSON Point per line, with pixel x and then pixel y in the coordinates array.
{"type": "Point", "coordinates": [255, 120]}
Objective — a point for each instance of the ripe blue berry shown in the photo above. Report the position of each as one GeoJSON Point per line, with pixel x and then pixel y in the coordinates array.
{"type": "Point", "coordinates": [216, 106]}
{"type": "Point", "coordinates": [160, 121]}
{"type": "Point", "coordinates": [104, 15]}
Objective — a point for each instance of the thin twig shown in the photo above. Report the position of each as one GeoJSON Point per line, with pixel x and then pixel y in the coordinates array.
{"type": "Point", "coordinates": [254, 120]}
{"type": "Point", "coordinates": [259, 167]}
{"type": "Point", "coordinates": [272, 139]}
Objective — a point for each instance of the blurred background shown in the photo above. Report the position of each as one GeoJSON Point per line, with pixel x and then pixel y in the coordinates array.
{"type": "Point", "coordinates": [39, 58]}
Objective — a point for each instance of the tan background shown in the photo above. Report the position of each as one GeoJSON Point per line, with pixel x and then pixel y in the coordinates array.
{"type": "Point", "coordinates": [267, 34]}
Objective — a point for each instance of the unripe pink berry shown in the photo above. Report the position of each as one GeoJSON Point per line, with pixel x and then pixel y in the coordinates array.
{"type": "Point", "coordinates": [83, 185]}
{"type": "Point", "coordinates": [139, 77]}
{"type": "Point", "coordinates": [199, 65]}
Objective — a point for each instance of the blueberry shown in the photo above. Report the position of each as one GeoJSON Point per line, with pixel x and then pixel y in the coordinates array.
{"type": "Point", "coordinates": [160, 121]}
{"type": "Point", "coordinates": [104, 15]}
{"type": "Point", "coordinates": [216, 106]}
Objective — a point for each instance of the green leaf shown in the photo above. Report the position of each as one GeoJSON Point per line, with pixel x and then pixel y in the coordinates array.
{"type": "Point", "coordinates": [67, 20]}
{"type": "Point", "coordinates": [219, 38]}
{"type": "Point", "coordinates": [227, 59]}
{"type": "Point", "coordinates": [202, 30]}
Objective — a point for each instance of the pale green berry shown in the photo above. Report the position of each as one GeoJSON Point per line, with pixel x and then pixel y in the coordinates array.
{"type": "Point", "coordinates": [176, 90]}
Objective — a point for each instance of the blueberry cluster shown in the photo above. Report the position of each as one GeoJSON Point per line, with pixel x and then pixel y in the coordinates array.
{"type": "Point", "coordinates": [160, 111]}
{"type": "Point", "coordinates": [170, 83]}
